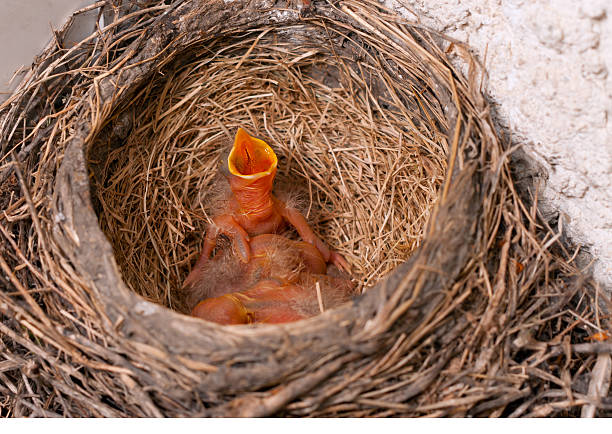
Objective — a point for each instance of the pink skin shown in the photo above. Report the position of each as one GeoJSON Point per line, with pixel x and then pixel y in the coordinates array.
{"type": "Point", "coordinates": [309, 255]}
{"type": "Point", "coordinates": [240, 228]}
{"type": "Point", "coordinates": [266, 302]}
{"type": "Point", "coordinates": [269, 301]}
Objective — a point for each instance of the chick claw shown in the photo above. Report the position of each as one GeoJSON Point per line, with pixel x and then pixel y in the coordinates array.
{"type": "Point", "coordinates": [226, 225]}
{"type": "Point", "coordinates": [338, 260]}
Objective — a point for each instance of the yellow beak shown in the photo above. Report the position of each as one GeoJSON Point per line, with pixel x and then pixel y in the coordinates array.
{"type": "Point", "coordinates": [251, 158]}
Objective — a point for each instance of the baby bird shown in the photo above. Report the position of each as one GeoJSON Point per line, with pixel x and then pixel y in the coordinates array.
{"type": "Point", "coordinates": [253, 210]}
{"type": "Point", "coordinates": [270, 278]}
{"type": "Point", "coordinates": [273, 302]}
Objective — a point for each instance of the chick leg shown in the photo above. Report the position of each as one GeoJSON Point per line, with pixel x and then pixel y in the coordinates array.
{"type": "Point", "coordinates": [338, 260]}
{"type": "Point", "coordinates": [297, 220]}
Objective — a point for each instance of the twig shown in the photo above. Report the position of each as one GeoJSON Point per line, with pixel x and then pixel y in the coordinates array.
{"type": "Point", "coordinates": [599, 384]}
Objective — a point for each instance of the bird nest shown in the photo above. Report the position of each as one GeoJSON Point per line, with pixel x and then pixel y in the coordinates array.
{"type": "Point", "coordinates": [468, 302]}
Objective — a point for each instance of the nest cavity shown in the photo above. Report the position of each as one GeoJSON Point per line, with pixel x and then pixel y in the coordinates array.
{"type": "Point", "coordinates": [364, 168]}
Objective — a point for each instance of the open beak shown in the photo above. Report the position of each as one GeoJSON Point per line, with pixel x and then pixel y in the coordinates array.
{"type": "Point", "coordinates": [251, 158]}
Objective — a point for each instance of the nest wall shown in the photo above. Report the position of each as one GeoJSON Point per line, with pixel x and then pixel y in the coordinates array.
{"type": "Point", "coordinates": [111, 149]}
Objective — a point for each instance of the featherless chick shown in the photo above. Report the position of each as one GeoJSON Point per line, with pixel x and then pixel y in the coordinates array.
{"type": "Point", "coordinates": [252, 209]}
{"type": "Point", "coordinates": [270, 278]}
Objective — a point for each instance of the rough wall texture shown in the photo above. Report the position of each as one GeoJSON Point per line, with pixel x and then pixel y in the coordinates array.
{"type": "Point", "coordinates": [548, 63]}
{"type": "Point", "coordinates": [25, 29]}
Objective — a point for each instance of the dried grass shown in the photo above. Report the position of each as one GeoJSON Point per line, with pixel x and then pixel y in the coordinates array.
{"type": "Point", "coordinates": [487, 317]}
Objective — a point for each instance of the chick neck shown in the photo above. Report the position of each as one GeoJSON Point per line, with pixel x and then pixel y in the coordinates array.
{"type": "Point", "coordinates": [254, 199]}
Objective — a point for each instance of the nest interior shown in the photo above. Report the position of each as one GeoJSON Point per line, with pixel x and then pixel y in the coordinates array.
{"type": "Point", "coordinates": [395, 155]}
{"type": "Point", "coordinates": [361, 152]}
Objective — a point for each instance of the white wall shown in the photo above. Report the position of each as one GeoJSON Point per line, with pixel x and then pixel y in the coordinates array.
{"type": "Point", "coordinates": [549, 64]}
{"type": "Point", "coordinates": [25, 29]}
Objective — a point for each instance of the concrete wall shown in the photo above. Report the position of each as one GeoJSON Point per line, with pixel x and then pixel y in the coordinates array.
{"type": "Point", "coordinates": [25, 29]}
{"type": "Point", "coordinates": [548, 63]}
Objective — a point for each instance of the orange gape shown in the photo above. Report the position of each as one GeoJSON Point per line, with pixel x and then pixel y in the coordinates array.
{"type": "Point", "coordinates": [253, 209]}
